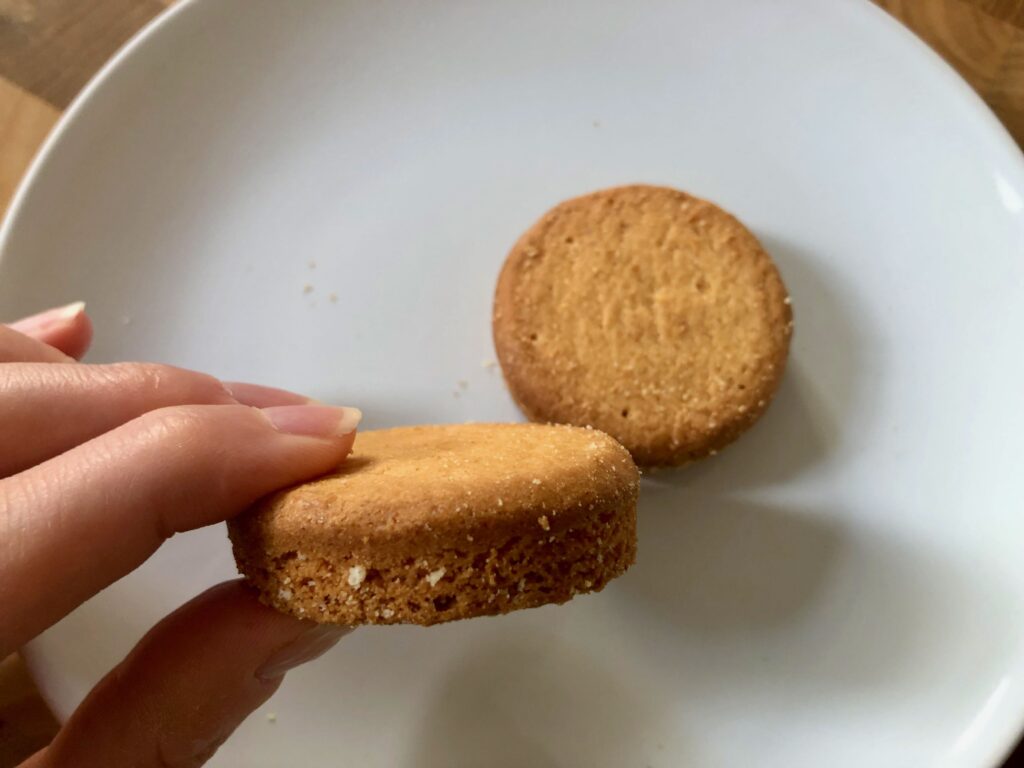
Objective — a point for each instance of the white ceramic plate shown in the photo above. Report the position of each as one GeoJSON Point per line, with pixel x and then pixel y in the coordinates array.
{"type": "Point", "coordinates": [842, 587]}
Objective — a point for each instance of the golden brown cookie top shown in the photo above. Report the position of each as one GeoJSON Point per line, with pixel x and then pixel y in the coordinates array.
{"type": "Point", "coordinates": [647, 313]}
{"type": "Point", "coordinates": [406, 488]}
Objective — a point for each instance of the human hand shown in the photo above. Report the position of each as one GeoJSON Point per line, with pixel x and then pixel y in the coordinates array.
{"type": "Point", "coordinates": [99, 464]}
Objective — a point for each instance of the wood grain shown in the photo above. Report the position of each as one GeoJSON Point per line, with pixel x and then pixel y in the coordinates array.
{"type": "Point", "coordinates": [24, 122]}
{"type": "Point", "coordinates": [50, 48]}
{"type": "Point", "coordinates": [983, 40]}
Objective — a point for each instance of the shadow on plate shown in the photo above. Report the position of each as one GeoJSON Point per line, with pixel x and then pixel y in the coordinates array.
{"type": "Point", "coordinates": [713, 565]}
{"type": "Point", "coordinates": [537, 703]}
{"type": "Point", "coordinates": [747, 597]}
{"type": "Point", "coordinates": [757, 594]}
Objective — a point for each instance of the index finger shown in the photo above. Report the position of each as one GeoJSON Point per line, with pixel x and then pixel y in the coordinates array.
{"type": "Point", "coordinates": [80, 521]}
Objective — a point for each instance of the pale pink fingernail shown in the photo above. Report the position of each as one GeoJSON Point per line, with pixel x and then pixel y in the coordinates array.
{"type": "Point", "coordinates": [259, 396]}
{"type": "Point", "coordinates": [314, 420]}
{"type": "Point", "coordinates": [312, 643]}
{"type": "Point", "coordinates": [49, 319]}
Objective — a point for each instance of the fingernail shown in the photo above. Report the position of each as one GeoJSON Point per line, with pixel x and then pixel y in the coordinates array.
{"type": "Point", "coordinates": [259, 396]}
{"type": "Point", "coordinates": [309, 645]}
{"type": "Point", "coordinates": [49, 318]}
{"type": "Point", "coordinates": [314, 420]}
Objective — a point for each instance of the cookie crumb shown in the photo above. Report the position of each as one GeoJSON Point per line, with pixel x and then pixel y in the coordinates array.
{"type": "Point", "coordinates": [307, 289]}
{"type": "Point", "coordinates": [271, 717]}
{"type": "Point", "coordinates": [311, 264]}
{"type": "Point", "coordinates": [332, 297]}
{"type": "Point", "coordinates": [489, 364]}
{"type": "Point", "coordinates": [463, 384]}
{"type": "Point", "coordinates": [356, 576]}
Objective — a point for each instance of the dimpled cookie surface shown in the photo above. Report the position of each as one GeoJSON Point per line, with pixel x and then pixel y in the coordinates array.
{"type": "Point", "coordinates": [647, 313]}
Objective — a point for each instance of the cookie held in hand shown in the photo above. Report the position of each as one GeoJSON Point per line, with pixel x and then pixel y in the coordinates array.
{"type": "Point", "coordinates": [429, 524]}
{"type": "Point", "coordinates": [647, 313]}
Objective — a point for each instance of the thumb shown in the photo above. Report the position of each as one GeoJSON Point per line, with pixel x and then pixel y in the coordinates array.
{"type": "Point", "coordinates": [187, 684]}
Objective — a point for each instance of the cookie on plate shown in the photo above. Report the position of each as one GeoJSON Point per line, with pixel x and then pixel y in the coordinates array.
{"type": "Point", "coordinates": [428, 524]}
{"type": "Point", "coordinates": [647, 313]}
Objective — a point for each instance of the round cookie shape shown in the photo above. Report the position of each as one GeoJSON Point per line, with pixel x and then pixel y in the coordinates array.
{"type": "Point", "coordinates": [647, 313]}
{"type": "Point", "coordinates": [429, 524]}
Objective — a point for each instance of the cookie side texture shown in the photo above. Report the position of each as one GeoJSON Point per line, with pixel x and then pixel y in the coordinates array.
{"type": "Point", "coordinates": [647, 313]}
{"type": "Point", "coordinates": [430, 524]}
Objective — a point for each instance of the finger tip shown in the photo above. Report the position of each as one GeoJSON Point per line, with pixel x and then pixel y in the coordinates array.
{"type": "Point", "coordinates": [233, 611]}
{"type": "Point", "coordinates": [68, 329]}
{"type": "Point", "coordinates": [80, 335]}
{"type": "Point", "coordinates": [189, 682]}
{"type": "Point", "coordinates": [348, 444]}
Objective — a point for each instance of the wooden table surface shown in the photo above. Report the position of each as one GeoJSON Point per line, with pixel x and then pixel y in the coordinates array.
{"type": "Point", "coordinates": [50, 48]}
